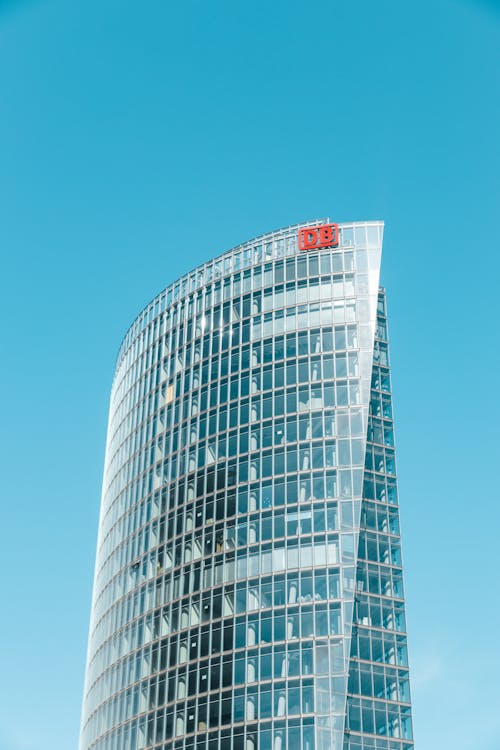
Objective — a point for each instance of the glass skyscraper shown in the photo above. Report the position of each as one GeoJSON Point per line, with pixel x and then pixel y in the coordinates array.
{"type": "Point", "coordinates": [248, 586]}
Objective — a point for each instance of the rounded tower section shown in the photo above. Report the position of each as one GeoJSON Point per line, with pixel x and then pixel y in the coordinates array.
{"type": "Point", "coordinates": [228, 535]}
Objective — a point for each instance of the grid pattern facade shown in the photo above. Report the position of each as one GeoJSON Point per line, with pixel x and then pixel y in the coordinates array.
{"type": "Point", "coordinates": [248, 584]}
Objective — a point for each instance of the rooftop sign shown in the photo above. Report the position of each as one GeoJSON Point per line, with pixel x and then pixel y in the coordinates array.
{"type": "Point", "coordinates": [324, 235]}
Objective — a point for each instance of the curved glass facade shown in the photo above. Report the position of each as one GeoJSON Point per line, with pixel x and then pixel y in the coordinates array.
{"type": "Point", "coordinates": [248, 584]}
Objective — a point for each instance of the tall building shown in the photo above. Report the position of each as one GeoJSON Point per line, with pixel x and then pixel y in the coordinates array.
{"type": "Point", "coordinates": [248, 586]}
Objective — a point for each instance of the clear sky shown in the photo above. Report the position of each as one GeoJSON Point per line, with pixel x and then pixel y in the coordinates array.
{"type": "Point", "coordinates": [139, 139]}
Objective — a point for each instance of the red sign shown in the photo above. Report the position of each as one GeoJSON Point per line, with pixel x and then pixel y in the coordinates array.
{"type": "Point", "coordinates": [325, 235]}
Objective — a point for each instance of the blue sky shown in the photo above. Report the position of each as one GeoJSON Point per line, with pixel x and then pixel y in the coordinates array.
{"type": "Point", "coordinates": [137, 140]}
